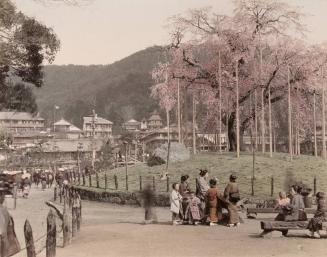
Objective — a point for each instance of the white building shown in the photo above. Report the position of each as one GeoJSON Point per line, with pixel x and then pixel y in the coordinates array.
{"type": "Point", "coordinates": [102, 128]}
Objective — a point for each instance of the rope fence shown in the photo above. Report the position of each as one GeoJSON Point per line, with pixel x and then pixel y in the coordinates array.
{"type": "Point", "coordinates": [260, 186]}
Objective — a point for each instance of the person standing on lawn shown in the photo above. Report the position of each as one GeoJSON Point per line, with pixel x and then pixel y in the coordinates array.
{"type": "Point", "coordinates": [232, 196]}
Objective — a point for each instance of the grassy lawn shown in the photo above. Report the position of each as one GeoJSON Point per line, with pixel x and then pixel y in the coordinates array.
{"type": "Point", "coordinates": [303, 168]}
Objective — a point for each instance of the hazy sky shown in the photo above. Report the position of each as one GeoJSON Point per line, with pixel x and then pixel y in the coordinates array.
{"type": "Point", "coordinates": [109, 30]}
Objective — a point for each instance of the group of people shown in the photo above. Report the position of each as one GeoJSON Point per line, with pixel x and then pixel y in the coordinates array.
{"type": "Point", "coordinates": [205, 205]}
{"type": "Point", "coordinates": [292, 208]}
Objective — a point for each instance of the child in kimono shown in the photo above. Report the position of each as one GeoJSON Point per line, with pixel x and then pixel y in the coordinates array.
{"type": "Point", "coordinates": [175, 204]}
{"type": "Point", "coordinates": [192, 211]}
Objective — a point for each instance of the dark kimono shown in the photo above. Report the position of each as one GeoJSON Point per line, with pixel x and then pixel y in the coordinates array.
{"type": "Point", "coordinates": [320, 216]}
{"type": "Point", "coordinates": [230, 193]}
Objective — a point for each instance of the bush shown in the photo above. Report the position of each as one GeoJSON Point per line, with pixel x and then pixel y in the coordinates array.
{"type": "Point", "coordinates": [155, 160]}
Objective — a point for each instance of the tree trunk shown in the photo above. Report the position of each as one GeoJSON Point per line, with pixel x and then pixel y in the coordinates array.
{"type": "Point", "coordinates": [231, 133]}
{"type": "Point", "coordinates": [263, 142]}
{"type": "Point", "coordinates": [315, 124]}
{"type": "Point", "coordinates": [193, 124]}
{"type": "Point", "coordinates": [270, 125]}
{"type": "Point", "coordinates": [179, 113]}
{"type": "Point", "coordinates": [290, 148]}
{"type": "Point", "coordinates": [237, 115]}
{"type": "Point", "coordinates": [323, 125]}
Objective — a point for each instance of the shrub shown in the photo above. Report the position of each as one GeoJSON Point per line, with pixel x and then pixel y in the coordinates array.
{"type": "Point", "coordinates": [155, 160]}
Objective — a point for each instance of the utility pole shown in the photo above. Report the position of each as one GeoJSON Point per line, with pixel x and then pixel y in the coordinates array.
{"type": "Point", "coordinates": [315, 124]}
{"type": "Point", "coordinates": [219, 74]}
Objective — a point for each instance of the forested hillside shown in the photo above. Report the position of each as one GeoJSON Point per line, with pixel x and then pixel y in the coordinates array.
{"type": "Point", "coordinates": [118, 91]}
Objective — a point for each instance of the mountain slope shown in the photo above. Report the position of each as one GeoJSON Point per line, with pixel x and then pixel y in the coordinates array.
{"type": "Point", "coordinates": [118, 91]}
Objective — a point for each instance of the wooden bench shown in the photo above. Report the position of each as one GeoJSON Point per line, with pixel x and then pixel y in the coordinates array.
{"type": "Point", "coordinates": [255, 211]}
{"type": "Point", "coordinates": [285, 226]}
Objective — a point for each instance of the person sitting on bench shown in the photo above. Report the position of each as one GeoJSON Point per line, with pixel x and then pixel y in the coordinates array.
{"type": "Point", "coordinates": [282, 202]}
{"type": "Point", "coordinates": [315, 223]}
{"type": "Point", "coordinates": [296, 208]}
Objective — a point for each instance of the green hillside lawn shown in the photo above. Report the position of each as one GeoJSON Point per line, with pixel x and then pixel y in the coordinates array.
{"type": "Point", "coordinates": [303, 168]}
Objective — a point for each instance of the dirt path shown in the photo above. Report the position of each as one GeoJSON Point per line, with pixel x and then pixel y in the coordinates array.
{"type": "Point", "coordinates": [112, 230]}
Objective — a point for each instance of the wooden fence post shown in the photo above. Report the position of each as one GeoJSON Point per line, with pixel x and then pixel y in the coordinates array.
{"type": "Point", "coordinates": [154, 183]}
{"type": "Point", "coordinates": [15, 197]}
{"type": "Point", "coordinates": [97, 179]}
{"type": "Point", "coordinates": [83, 177]}
{"type": "Point", "coordinates": [272, 187]}
{"type": "Point", "coordinates": [51, 242]}
{"type": "Point", "coordinates": [60, 193]}
{"type": "Point", "coordinates": [78, 209]}
{"type": "Point", "coordinates": [140, 183]}
{"type": "Point", "coordinates": [116, 181]}
{"type": "Point", "coordinates": [29, 241]}
{"type": "Point", "coordinates": [65, 225]}
{"type": "Point", "coordinates": [314, 185]}
{"type": "Point", "coordinates": [55, 193]}
{"type": "Point", "coordinates": [90, 180]}
{"type": "Point", "coordinates": [79, 178]}
{"type": "Point", "coordinates": [167, 184]}
{"type": "Point", "coordinates": [105, 181]}
{"type": "Point", "coordinates": [74, 221]}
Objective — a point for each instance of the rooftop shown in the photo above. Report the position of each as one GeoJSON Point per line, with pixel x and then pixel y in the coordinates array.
{"type": "Point", "coordinates": [98, 120]}
{"type": "Point", "coordinates": [19, 116]}
{"type": "Point", "coordinates": [71, 145]}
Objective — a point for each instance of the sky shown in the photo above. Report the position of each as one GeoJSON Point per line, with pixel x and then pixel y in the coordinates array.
{"type": "Point", "coordinates": [106, 31]}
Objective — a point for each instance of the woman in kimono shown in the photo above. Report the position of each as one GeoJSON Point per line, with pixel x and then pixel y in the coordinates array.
{"type": "Point", "coordinates": [320, 216]}
{"type": "Point", "coordinates": [184, 190]}
{"type": "Point", "coordinates": [175, 204]}
{"type": "Point", "coordinates": [232, 196]}
{"type": "Point", "coordinates": [212, 197]}
{"type": "Point", "coordinates": [296, 212]}
{"type": "Point", "coordinates": [201, 189]}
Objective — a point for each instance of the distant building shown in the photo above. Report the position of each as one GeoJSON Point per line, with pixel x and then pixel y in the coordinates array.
{"type": "Point", "coordinates": [65, 130]}
{"type": "Point", "coordinates": [155, 121]}
{"type": "Point", "coordinates": [67, 150]}
{"type": "Point", "coordinates": [132, 125]}
{"type": "Point", "coordinates": [21, 122]}
{"type": "Point", "coordinates": [102, 127]}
